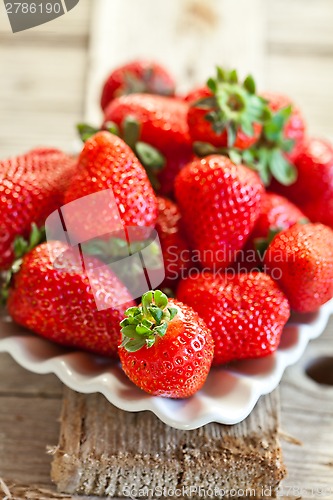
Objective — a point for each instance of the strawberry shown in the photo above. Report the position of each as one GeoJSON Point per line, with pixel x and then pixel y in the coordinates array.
{"type": "Point", "coordinates": [167, 349]}
{"type": "Point", "coordinates": [246, 313]}
{"type": "Point", "coordinates": [52, 295]}
{"type": "Point", "coordinates": [176, 254]}
{"type": "Point", "coordinates": [276, 214]}
{"type": "Point", "coordinates": [226, 113]}
{"type": "Point", "coordinates": [106, 162]}
{"type": "Point", "coordinates": [313, 189]}
{"type": "Point", "coordinates": [219, 203]}
{"type": "Point", "coordinates": [300, 260]}
{"type": "Point", "coordinates": [163, 120]}
{"type": "Point", "coordinates": [31, 187]}
{"type": "Point", "coordinates": [137, 77]}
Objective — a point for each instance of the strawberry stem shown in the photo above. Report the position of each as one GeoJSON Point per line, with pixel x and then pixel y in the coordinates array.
{"type": "Point", "coordinates": [144, 324]}
{"type": "Point", "coordinates": [233, 105]}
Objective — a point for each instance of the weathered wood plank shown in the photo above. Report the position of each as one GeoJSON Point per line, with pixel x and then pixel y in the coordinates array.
{"type": "Point", "coordinates": [105, 451]}
{"type": "Point", "coordinates": [20, 382]}
{"type": "Point", "coordinates": [40, 107]}
{"type": "Point", "coordinates": [28, 425]}
{"type": "Point", "coordinates": [309, 81]}
{"type": "Point", "coordinates": [300, 26]}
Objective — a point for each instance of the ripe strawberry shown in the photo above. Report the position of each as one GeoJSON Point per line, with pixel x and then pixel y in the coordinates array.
{"type": "Point", "coordinates": [300, 260]}
{"type": "Point", "coordinates": [219, 203]}
{"type": "Point", "coordinates": [137, 77]}
{"type": "Point", "coordinates": [313, 189]}
{"type": "Point", "coordinates": [276, 214]}
{"type": "Point", "coordinates": [167, 349]}
{"type": "Point", "coordinates": [294, 129]}
{"type": "Point", "coordinates": [176, 254]}
{"type": "Point", "coordinates": [106, 162]}
{"type": "Point", "coordinates": [52, 296]}
{"type": "Point", "coordinates": [226, 113]}
{"type": "Point", "coordinates": [246, 313]}
{"type": "Point", "coordinates": [31, 187]}
{"type": "Point", "coordinates": [163, 120]}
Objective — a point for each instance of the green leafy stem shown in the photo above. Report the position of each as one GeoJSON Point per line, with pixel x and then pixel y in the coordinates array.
{"type": "Point", "coordinates": [144, 324]}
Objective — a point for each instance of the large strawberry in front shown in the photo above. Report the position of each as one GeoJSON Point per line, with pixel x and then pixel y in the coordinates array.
{"type": "Point", "coordinates": [107, 163]}
{"type": "Point", "coordinates": [246, 313]}
{"type": "Point", "coordinates": [53, 296]}
{"type": "Point", "coordinates": [167, 349]}
{"type": "Point", "coordinates": [31, 187]}
{"type": "Point", "coordinates": [219, 203]}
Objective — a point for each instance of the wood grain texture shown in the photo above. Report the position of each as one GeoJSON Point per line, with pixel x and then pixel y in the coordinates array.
{"type": "Point", "coordinates": [42, 82]}
{"type": "Point", "coordinates": [307, 415]}
{"type": "Point", "coordinates": [296, 26]}
{"type": "Point", "coordinates": [105, 451]}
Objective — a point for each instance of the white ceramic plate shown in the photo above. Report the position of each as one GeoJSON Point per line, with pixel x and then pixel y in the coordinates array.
{"type": "Point", "coordinates": [227, 397]}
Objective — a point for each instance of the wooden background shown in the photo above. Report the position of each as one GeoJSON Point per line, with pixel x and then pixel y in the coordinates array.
{"type": "Point", "coordinates": [49, 81]}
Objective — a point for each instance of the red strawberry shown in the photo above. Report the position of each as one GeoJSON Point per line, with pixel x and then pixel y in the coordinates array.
{"type": "Point", "coordinates": [300, 260]}
{"type": "Point", "coordinates": [52, 296]}
{"type": "Point", "coordinates": [137, 77]}
{"type": "Point", "coordinates": [219, 203]}
{"type": "Point", "coordinates": [246, 313]}
{"type": "Point", "coordinates": [167, 349]}
{"type": "Point", "coordinates": [226, 113]}
{"type": "Point", "coordinates": [277, 213]}
{"type": "Point", "coordinates": [313, 189]}
{"type": "Point", "coordinates": [163, 120]}
{"type": "Point", "coordinates": [106, 162]}
{"type": "Point", "coordinates": [31, 187]}
{"type": "Point", "coordinates": [295, 127]}
{"type": "Point", "coordinates": [176, 254]}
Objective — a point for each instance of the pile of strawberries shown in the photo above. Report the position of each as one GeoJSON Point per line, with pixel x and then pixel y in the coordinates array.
{"type": "Point", "coordinates": [242, 201]}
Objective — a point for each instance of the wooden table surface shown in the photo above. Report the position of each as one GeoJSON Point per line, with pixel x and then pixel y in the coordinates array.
{"type": "Point", "coordinates": [43, 84]}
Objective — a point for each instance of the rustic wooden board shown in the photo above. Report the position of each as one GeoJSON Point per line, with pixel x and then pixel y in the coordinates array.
{"type": "Point", "coordinates": [105, 451]}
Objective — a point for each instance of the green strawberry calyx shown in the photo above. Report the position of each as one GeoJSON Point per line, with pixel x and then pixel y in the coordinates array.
{"type": "Point", "coordinates": [144, 324]}
{"type": "Point", "coordinates": [267, 156]}
{"type": "Point", "coordinates": [21, 247]}
{"type": "Point", "coordinates": [233, 105]}
{"type": "Point", "coordinates": [151, 158]}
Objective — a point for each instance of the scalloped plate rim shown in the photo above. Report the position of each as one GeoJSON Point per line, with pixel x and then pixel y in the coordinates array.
{"type": "Point", "coordinates": [111, 384]}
